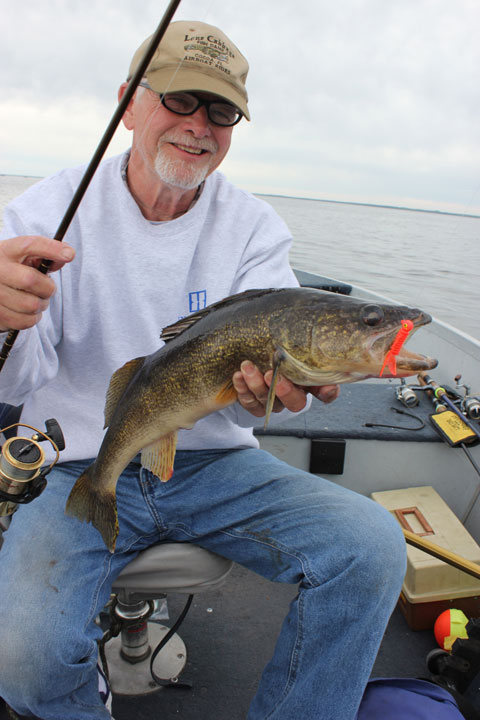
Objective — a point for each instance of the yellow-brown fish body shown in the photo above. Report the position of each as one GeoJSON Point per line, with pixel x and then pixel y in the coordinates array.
{"type": "Point", "coordinates": [310, 336]}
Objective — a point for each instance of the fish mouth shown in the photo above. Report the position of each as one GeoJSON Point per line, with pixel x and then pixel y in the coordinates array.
{"type": "Point", "coordinates": [410, 363]}
{"type": "Point", "coordinates": [407, 361]}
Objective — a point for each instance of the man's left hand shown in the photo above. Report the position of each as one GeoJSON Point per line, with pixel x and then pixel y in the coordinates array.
{"type": "Point", "coordinates": [252, 390]}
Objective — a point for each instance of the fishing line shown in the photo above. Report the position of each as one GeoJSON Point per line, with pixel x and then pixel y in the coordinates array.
{"type": "Point", "coordinates": [141, 90]}
{"type": "Point", "coordinates": [477, 491]}
{"type": "Point", "coordinates": [100, 151]}
{"type": "Point", "coordinates": [472, 198]}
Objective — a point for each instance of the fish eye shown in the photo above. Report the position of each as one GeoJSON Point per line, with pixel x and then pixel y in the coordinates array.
{"type": "Point", "coordinates": [372, 315]}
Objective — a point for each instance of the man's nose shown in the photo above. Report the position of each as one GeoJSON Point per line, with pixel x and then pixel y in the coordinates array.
{"type": "Point", "coordinates": [199, 123]}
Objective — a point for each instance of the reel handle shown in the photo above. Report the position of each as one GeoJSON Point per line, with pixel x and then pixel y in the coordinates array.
{"type": "Point", "coordinates": [53, 433]}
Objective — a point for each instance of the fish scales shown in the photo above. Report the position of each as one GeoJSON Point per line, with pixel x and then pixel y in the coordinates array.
{"type": "Point", "coordinates": [310, 336]}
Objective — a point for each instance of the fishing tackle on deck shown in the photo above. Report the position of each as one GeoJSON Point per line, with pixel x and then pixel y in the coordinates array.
{"type": "Point", "coordinates": [470, 404]}
{"type": "Point", "coordinates": [441, 394]}
{"type": "Point", "coordinates": [22, 475]}
{"type": "Point", "coordinates": [406, 394]}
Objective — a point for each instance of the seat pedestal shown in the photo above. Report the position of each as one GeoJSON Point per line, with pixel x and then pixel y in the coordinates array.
{"type": "Point", "coordinates": [128, 679]}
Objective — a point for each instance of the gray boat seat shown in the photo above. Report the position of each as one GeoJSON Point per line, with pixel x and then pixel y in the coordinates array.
{"type": "Point", "coordinates": [157, 571]}
{"type": "Point", "coordinates": [171, 567]}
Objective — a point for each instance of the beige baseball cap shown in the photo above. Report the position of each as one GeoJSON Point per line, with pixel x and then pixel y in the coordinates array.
{"type": "Point", "coordinates": [193, 56]}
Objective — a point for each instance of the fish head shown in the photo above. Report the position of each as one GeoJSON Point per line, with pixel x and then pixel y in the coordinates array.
{"type": "Point", "coordinates": [355, 337]}
{"type": "Point", "coordinates": [350, 339]}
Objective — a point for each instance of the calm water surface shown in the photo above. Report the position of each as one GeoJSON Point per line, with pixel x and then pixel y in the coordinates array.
{"type": "Point", "coordinates": [430, 260]}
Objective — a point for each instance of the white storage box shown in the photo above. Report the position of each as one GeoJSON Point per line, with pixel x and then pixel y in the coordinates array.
{"type": "Point", "coordinates": [431, 585]}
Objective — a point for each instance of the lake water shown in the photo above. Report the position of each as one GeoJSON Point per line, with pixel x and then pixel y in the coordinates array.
{"type": "Point", "coordinates": [426, 259]}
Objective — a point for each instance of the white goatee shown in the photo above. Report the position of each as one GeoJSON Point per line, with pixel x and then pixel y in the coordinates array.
{"type": "Point", "coordinates": [179, 172]}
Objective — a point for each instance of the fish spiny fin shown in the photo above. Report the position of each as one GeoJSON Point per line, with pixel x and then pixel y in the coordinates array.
{"type": "Point", "coordinates": [171, 331]}
{"type": "Point", "coordinates": [159, 457]}
{"type": "Point", "coordinates": [92, 502]}
{"type": "Point", "coordinates": [278, 356]}
{"type": "Point", "coordinates": [226, 395]}
{"type": "Point", "coordinates": [118, 385]}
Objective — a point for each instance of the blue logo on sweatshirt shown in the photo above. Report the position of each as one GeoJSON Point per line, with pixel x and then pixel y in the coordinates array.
{"type": "Point", "coordinates": [197, 300]}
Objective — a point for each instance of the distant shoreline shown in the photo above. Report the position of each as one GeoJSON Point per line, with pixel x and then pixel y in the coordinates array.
{"type": "Point", "coordinates": [34, 177]}
{"type": "Point", "coordinates": [365, 204]}
{"type": "Point", "coordinates": [299, 197]}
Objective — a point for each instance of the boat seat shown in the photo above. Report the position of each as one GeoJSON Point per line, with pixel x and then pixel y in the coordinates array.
{"type": "Point", "coordinates": [145, 654]}
{"type": "Point", "coordinates": [170, 567]}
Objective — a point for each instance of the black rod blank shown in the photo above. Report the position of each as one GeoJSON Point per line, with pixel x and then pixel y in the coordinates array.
{"type": "Point", "coordinates": [100, 151]}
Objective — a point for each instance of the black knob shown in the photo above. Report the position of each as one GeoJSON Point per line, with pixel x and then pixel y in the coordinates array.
{"type": "Point", "coordinates": [55, 433]}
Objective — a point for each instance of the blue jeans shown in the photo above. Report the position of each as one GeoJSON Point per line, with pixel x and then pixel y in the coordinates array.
{"type": "Point", "coordinates": [346, 553]}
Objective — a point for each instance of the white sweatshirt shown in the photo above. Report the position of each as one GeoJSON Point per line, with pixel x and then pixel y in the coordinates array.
{"type": "Point", "coordinates": [130, 278]}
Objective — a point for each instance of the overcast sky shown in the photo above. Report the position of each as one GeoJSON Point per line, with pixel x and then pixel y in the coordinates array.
{"type": "Point", "coordinates": [362, 100]}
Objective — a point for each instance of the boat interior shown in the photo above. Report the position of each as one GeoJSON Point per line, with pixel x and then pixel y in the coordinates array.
{"type": "Point", "coordinates": [230, 617]}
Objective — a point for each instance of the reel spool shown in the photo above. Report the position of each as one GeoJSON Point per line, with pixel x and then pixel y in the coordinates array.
{"type": "Point", "coordinates": [22, 477]}
{"type": "Point", "coordinates": [406, 395]}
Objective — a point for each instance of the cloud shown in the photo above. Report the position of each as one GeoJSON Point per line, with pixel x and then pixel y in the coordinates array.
{"type": "Point", "coordinates": [39, 139]}
{"type": "Point", "coordinates": [360, 99]}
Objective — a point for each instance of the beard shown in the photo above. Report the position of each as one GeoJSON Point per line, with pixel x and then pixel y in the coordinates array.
{"type": "Point", "coordinates": [178, 172]}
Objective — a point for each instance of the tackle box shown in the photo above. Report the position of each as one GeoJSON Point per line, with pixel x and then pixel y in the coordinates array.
{"type": "Point", "coordinates": [431, 586]}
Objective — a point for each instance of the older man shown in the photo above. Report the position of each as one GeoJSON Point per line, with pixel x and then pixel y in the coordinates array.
{"type": "Point", "coordinates": [158, 235]}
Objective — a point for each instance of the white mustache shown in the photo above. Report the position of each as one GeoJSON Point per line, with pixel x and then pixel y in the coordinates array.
{"type": "Point", "coordinates": [179, 138]}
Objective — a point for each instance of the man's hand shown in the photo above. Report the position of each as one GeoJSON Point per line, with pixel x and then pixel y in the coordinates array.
{"type": "Point", "coordinates": [24, 291]}
{"type": "Point", "coordinates": [252, 390]}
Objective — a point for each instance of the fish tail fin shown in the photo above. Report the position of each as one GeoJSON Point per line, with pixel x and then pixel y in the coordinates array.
{"type": "Point", "coordinates": [92, 502]}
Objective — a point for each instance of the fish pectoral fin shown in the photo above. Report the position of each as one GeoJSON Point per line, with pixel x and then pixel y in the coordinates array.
{"type": "Point", "coordinates": [159, 457]}
{"type": "Point", "coordinates": [227, 394]}
{"type": "Point", "coordinates": [301, 372]}
{"type": "Point", "coordinates": [118, 384]}
{"type": "Point", "coordinates": [278, 357]}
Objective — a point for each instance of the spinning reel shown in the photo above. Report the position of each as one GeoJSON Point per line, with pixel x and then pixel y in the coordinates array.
{"type": "Point", "coordinates": [22, 477]}
{"type": "Point", "coordinates": [468, 404]}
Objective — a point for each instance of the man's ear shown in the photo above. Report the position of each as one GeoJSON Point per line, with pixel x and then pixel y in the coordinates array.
{"type": "Point", "coordinates": [127, 117]}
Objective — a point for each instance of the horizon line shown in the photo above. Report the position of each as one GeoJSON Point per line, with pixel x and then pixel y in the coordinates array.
{"type": "Point", "coordinates": [369, 204]}
{"type": "Point", "coordinates": [324, 200]}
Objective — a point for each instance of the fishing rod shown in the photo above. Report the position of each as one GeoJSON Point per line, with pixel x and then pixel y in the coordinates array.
{"type": "Point", "coordinates": [100, 151]}
{"type": "Point", "coordinates": [447, 556]}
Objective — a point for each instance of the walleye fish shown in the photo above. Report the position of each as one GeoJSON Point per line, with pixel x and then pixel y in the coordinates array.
{"type": "Point", "coordinates": [312, 337]}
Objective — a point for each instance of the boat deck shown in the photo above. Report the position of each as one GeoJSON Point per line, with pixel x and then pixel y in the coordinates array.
{"type": "Point", "coordinates": [230, 634]}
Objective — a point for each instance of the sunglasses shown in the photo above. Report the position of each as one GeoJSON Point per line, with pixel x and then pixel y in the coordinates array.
{"type": "Point", "coordinates": [185, 103]}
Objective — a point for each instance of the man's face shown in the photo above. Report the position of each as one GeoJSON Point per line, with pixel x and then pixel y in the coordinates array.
{"type": "Point", "coordinates": [181, 149]}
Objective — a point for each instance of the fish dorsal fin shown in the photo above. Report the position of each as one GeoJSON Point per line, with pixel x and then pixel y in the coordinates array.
{"type": "Point", "coordinates": [118, 384]}
{"type": "Point", "coordinates": [159, 457]}
{"type": "Point", "coordinates": [171, 331]}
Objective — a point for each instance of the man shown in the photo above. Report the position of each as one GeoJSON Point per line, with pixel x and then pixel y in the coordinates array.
{"type": "Point", "coordinates": [158, 235]}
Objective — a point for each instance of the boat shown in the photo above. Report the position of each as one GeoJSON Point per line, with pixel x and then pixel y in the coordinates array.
{"type": "Point", "coordinates": [378, 437]}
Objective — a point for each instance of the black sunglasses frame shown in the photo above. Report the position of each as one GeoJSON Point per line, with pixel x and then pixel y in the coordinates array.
{"type": "Point", "coordinates": [201, 103]}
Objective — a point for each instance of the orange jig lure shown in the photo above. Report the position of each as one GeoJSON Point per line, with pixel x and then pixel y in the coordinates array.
{"type": "Point", "coordinates": [400, 338]}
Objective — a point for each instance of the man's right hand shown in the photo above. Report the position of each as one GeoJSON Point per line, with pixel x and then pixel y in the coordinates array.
{"type": "Point", "coordinates": [24, 291]}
